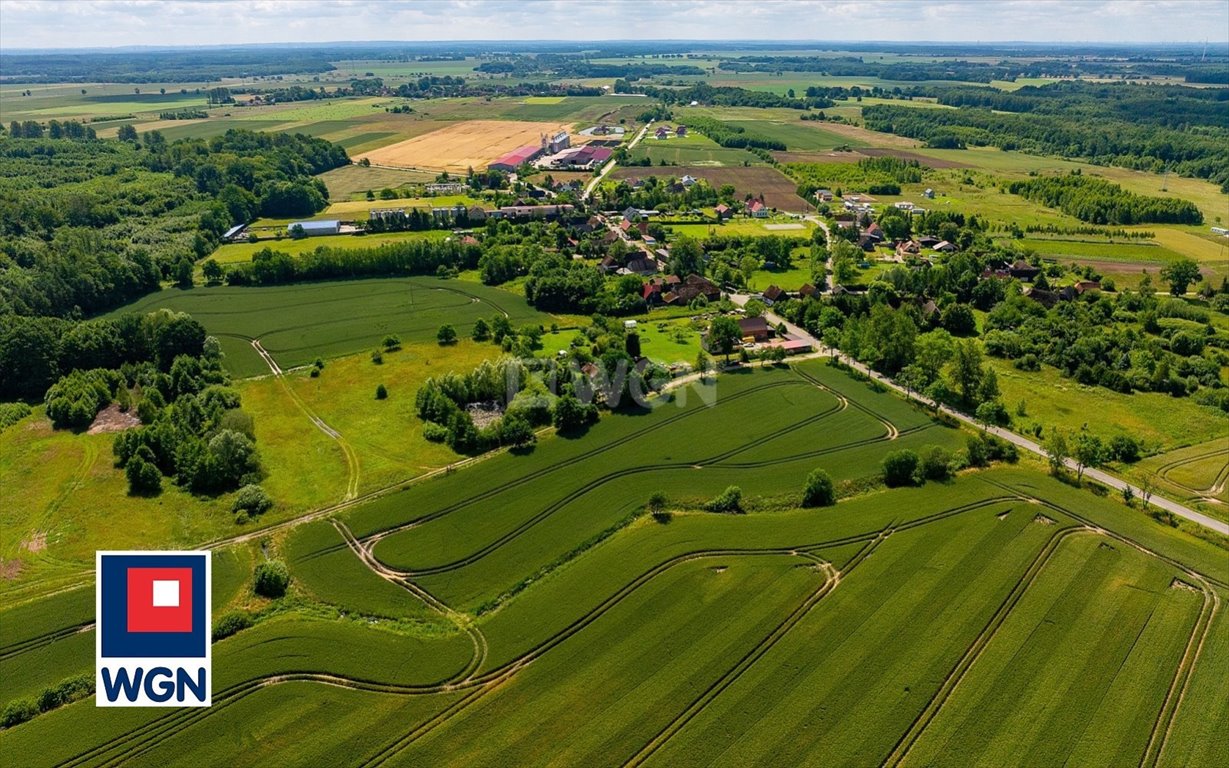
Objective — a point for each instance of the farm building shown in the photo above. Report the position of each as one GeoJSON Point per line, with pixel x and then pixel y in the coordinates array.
{"type": "Point", "coordinates": [1222, 231]}
{"type": "Point", "coordinates": [583, 158]}
{"type": "Point", "coordinates": [515, 159]}
{"type": "Point", "coordinates": [724, 211]}
{"type": "Point", "coordinates": [754, 328]}
{"type": "Point", "coordinates": [447, 188]}
{"type": "Point", "coordinates": [556, 143]}
{"type": "Point", "coordinates": [314, 228]}
{"type": "Point", "coordinates": [791, 346]}
{"type": "Point", "coordinates": [823, 195]}
{"type": "Point", "coordinates": [532, 211]}
{"type": "Point", "coordinates": [234, 232]}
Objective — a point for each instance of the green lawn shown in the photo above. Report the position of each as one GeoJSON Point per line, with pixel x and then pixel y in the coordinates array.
{"type": "Point", "coordinates": [240, 253]}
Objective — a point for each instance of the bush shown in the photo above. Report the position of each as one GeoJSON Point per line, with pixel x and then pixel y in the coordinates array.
{"type": "Point", "coordinates": [446, 334]}
{"type": "Point", "coordinates": [392, 342]}
{"type": "Point", "coordinates": [657, 502]}
{"type": "Point", "coordinates": [251, 500]}
{"type": "Point", "coordinates": [899, 468]}
{"type": "Point", "coordinates": [65, 692]}
{"type": "Point", "coordinates": [230, 623]}
{"type": "Point", "coordinates": [271, 580]}
{"type": "Point", "coordinates": [819, 491]}
{"type": "Point", "coordinates": [730, 500]}
{"type": "Point", "coordinates": [144, 478]}
{"type": "Point", "coordinates": [381, 392]}
{"type": "Point", "coordinates": [936, 463]}
{"type": "Point", "coordinates": [993, 412]}
{"type": "Point", "coordinates": [436, 433]}
{"type": "Point", "coordinates": [17, 712]}
{"type": "Point", "coordinates": [1124, 448]}
{"type": "Point", "coordinates": [377, 357]}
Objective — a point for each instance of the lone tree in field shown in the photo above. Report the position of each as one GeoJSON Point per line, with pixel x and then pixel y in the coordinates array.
{"type": "Point", "coordinates": [446, 334]}
{"type": "Point", "coordinates": [1180, 274]}
{"type": "Point", "coordinates": [482, 331]}
{"type": "Point", "coordinates": [819, 491]}
{"type": "Point", "coordinates": [271, 580]}
{"type": "Point", "coordinates": [723, 335]}
{"type": "Point", "coordinates": [381, 392]}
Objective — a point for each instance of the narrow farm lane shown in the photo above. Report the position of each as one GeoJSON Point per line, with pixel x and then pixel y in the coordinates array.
{"type": "Point", "coordinates": [347, 450]}
{"type": "Point", "coordinates": [610, 166]}
{"type": "Point", "coordinates": [1168, 505]}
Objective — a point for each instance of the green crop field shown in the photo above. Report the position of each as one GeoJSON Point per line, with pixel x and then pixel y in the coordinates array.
{"type": "Point", "coordinates": [527, 606]}
{"type": "Point", "coordinates": [233, 253]}
{"type": "Point", "coordinates": [299, 323]}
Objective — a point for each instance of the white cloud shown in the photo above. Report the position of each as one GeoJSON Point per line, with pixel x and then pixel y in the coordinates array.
{"type": "Point", "coordinates": [104, 23]}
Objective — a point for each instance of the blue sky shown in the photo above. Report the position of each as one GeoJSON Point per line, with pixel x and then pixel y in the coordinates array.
{"type": "Point", "coordinates": [90, 23]}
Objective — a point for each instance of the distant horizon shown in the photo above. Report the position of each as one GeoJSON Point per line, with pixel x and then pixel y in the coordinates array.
{"type": "Point", "coordinates": [34, 26]}
{"type": "Point", "coordinates": [620, 41]}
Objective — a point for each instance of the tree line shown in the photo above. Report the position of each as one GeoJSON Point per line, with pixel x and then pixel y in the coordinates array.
{"type": "Point", "coordinates": [1098, 201]}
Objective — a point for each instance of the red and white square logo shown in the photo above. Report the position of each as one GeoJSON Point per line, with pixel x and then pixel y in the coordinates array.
{"type": "Point", "coordinates": [159, 599]}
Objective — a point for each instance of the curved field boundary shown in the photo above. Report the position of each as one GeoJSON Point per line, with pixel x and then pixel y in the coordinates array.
{"type": "Point", "coordinates": [347, 450]}
{"type": "Point", "coordinates": [1203, 626]}
{"type": "Point", "coordinates": [29, 644]}
{"type": "Point", "coordinates": [901, 750]}
{"type": "Point", "coordinates": [1218, 481]}
{"type": "Point", "coordinates": [587, 487]}
{"type": "Point", "coordinates": [893, 432]}
{"type": "Point", "coordinates": [460, 621]}
{"type": "Point", "coordinates": [144, 737]}
{"type": "Point", "coordinates": [567, 462]}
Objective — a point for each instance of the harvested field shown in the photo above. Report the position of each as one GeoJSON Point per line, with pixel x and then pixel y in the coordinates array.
{"type": "Point", "coordinates": [470, 144]}
{"type": "Point", "coordinates": [777, 188]}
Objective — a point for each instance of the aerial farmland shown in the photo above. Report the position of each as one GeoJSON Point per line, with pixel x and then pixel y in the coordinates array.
{"type": "Point", "coordinates": [615, 402]}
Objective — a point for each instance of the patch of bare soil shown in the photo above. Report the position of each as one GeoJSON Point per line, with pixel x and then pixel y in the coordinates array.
{"type": "Point", "coordinates": [1043, 520]}
{"type": "Point", "coordinates": [112, 419]}
{"type": "Point", "coordinates": [10, 569]}
{"type": "Point", "coordinates": [485, 414]}
{"type": "Point", "coordinates": [36, 543]}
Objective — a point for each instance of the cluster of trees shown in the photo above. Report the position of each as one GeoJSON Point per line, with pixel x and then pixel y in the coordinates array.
{"type": "Point", "coordinates": [664, 194]}
{"type": "Point", "coordinates": [184, 114]}
{"type": "Point", "coordinates": [88, 225]}
{"type": "Point", "coordinates": [732, 136]}
{"type": "Point", "coordinates": [1106, 140]}
{"type": "Point", "coordinates": [1132, 341]}
{"type": "Point", "coordinates": [507, 384]}
{"type": "Point", "coordinates": [192, 429]}
{"type": "Point", "coordinates": [35, 352]}
{"type": "Point", "coordinates": [720, 96]}
{"type": "Point", "coordinates": [69, 129]}
{"type": "Point", "coordinates": [1098, 201]}
{"type": "Point", "coordinates": [411, 257]}
{"type": "Point", "coordinates": [874, 175]}
{"type": "Point", "coordinates": [419, 219]}
{"type": "Point", "coordinates": [854, 66]}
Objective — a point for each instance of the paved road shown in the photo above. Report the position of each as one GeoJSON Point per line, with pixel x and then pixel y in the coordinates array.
{"type": "Point", "coordinates": [1019, 441]}
{"type": "Point", "coordinates": [610, 166]}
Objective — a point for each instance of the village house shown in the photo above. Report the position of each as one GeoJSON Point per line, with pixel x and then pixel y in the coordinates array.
{"type": "Point", "coordinates": [757, 209]}
{"type": "Point", "coordinates": [681, 131]}
{"type": "Point", "coordinates": [772, 294]}
{"type": "Point", "coordinates": [824, 195]}
{"type": "Point", "coordinates": [724, 211]}
{"type": "Point", "coordinates": [945, 247]}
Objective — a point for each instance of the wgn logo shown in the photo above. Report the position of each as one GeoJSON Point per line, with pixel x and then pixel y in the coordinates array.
{"type": "Point", "coordinates": [152, 643]}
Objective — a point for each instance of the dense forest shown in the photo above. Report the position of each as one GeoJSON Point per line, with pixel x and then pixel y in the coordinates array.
{"type": "Point", "coordinates": [1098, 201]}
{"type": "Point", "coordinates": [1199, 152]}
{"type": "Point", "coordinates": [86, 225]}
